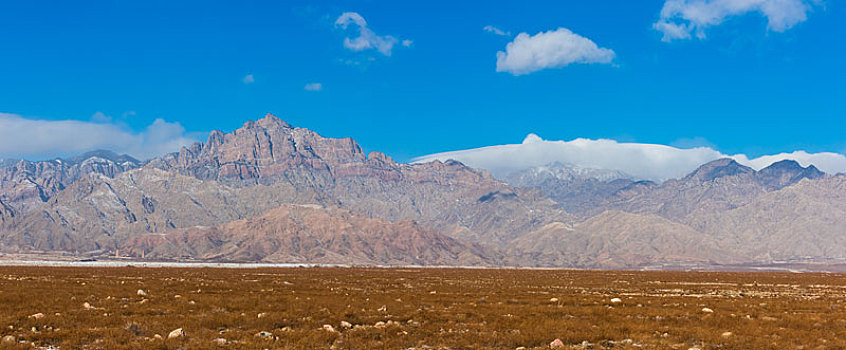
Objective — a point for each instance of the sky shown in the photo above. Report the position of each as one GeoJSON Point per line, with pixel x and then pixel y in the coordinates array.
{"type": "Point", "coordinates": [413, 78]}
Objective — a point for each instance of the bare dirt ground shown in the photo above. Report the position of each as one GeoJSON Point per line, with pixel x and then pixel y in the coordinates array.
{"type": "Point", "coordinates": [370, 308]}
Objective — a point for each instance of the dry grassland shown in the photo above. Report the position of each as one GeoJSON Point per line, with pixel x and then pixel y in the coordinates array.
{"type": "Point", "coordinates": [417, 308]}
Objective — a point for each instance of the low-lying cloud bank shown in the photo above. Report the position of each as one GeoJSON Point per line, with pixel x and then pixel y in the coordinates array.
{"type": "Point", "coordinates": [643, 161]}
{"type": "Point", "coordinates": [39, 139]}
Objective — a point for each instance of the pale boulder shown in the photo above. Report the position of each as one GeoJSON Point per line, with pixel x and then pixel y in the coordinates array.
{"type": "Point", "coordinates": [176, 333]}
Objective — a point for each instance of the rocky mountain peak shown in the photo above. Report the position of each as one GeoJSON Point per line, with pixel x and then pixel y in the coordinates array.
{"type": "Point", "coordinates": [716, 169]}
{"type": "Point", "coordinates": [785, 173]}
{"type": "Point", "coordinates": [556, 171]}
{"type": "Point", "coordinates": [380, 157]}
{"type": "Point", "coordinates": [102, 154]}
{"type": "Point", "coordinates": [271, 121]}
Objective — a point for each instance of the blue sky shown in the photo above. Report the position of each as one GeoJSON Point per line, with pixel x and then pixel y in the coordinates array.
{"type": "Point", "coordinates": [749, 84]}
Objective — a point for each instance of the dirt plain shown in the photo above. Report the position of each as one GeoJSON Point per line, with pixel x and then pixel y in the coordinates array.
{"type": "Point", "coordinates": [410, 308]}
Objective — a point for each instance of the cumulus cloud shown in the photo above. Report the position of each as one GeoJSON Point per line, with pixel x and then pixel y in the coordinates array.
{"type": "Point", "coordinates": [39, 139]}
{"type": "Point", "coordinates": [249, 79]}
{"type": "Point", "coordinates": [366, 39]}
{"type": "Point", "coordinates": [495, 30]}
{"type": "Point", "coordinates": [642, 161]}
{"type": "Point", "coordinates": [313, 87]}
{"type": "Point", "coordinates": [552, 49]}
{"type": "Point", "coordinates": [680, 19]}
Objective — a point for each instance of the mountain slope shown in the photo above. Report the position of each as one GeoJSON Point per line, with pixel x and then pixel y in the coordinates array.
{"type": "Point", "coordinates": [578, 190]}
{"type": "Point", "coordinates": [312, 234]}
{"type": "Point", "coordinates": [803, 221]}
{"type": "Point", "coordinates": [6, 212]}
{"type": "Point", "coordinates": [714, 187]}
{"type": "Point", "coordinates": [616, 239]}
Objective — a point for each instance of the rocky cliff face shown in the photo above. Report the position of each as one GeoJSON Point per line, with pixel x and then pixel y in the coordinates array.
{"type": "Point", "coordinates": [6, 212]}
{"type": "Point", "coordinates": [268, 151]}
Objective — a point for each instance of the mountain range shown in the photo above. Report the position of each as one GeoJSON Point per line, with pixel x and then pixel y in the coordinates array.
{"type": "Point", "coordinates": [271, 192]}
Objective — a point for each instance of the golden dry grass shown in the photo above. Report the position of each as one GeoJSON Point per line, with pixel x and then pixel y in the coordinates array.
{"type": "Point", "coordinates": [439, 308]}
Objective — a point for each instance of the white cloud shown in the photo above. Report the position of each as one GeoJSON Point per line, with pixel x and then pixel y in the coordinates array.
{"type": "Point", "coordinates": [643, 161]}
{"type": "Point", "coordinates": [495, 30]}
{"type": "Point", "coordinates": [249, 79]}
{"type": "Point", "coordinates": [313, 87]}
{"type": "Point", "coordinates": [681, 18]}
{"type": "Point", "coordinates": [552, 49]}
{"type": "Point", "coordinates": [38, 139]}
{"type": "Point", "coordinates": [407, 43]}
{"type": "Point", "coordinates": [366, 39]}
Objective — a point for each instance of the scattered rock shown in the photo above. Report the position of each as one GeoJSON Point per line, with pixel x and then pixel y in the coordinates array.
{"type": "Point", "coordinates": [37, 316]}
{"type": "Point", "coordinates": [726, 334]}
{"type": "Point", "coordinates": [329, 328]}
{"type": "Point", "coordinates": [219, 341]}
{"type": "Point", "coordinates": [9, 339]}
{"type": "Point", "coordinates": [133, 328]}
{"type": "Point", "coordinates": [346, 325]}
{"type": "Point", "coordinates": [176, 333]}
{"type": "Point", "coordinates": [384, 308]}
{"type": "Point", "coordinates": [264, 335]}
{"type": "Point", "coordinates": [553, 300]}
{"type": "Point", "coordinates": [261, 315]}
{"type": "Point", "coordinates": [177, 296]}
{"type": "Point", "coordinates": [616, 300]}
{"type": "Point", "coordinates": [380, 325]}
{"type": "Point", "coordinates": [87, 306]}
{"type": "Point", "coordinates": [141, 293]}
{"type": "Point", "coordinates": [157, 337]}
{"type": "Point", "coordinates": [556, 344]}
{"type": "Point", "coordinates": [707, 310]}
{"type": "Point", "coordinates": [768, 318]}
